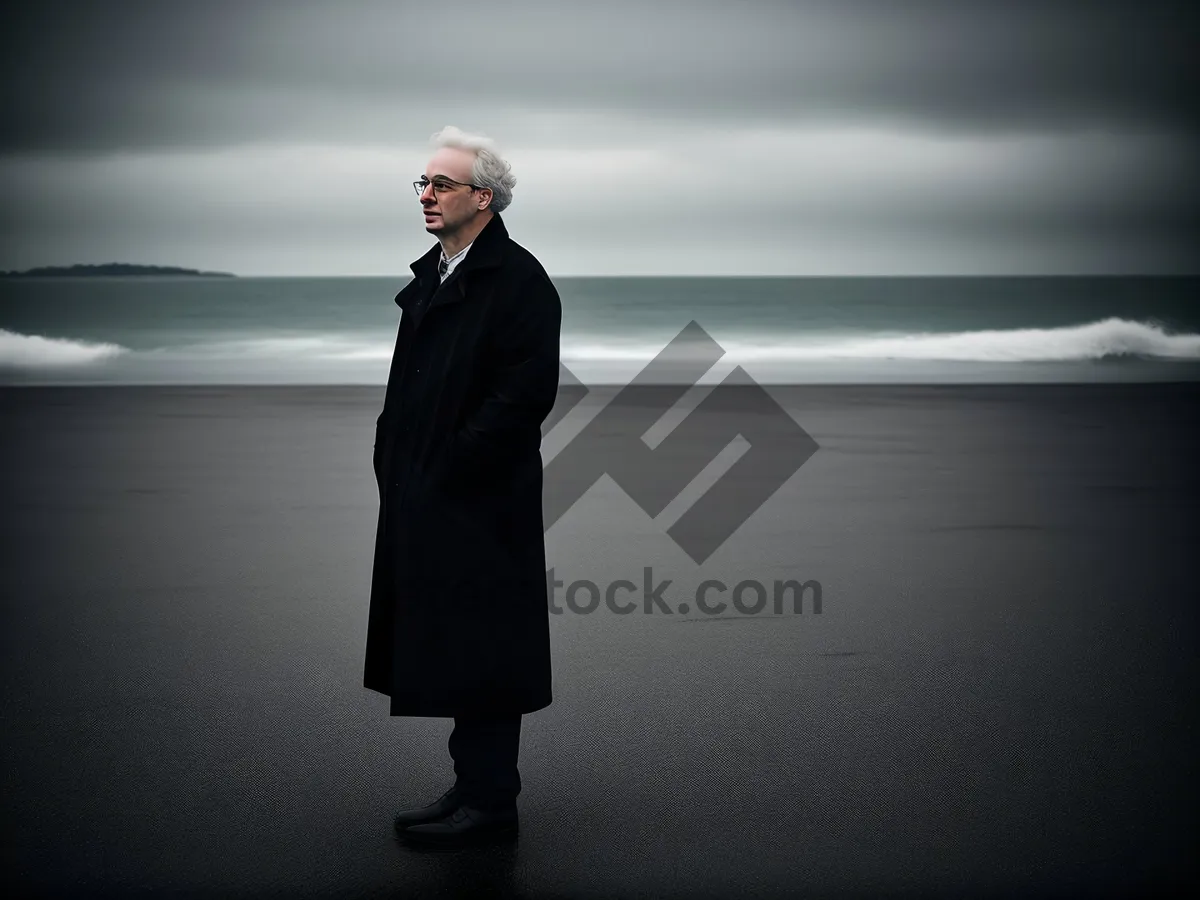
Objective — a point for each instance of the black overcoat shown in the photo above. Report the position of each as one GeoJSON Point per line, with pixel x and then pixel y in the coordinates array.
{"type": "Point", "coordinates": [459, 620]}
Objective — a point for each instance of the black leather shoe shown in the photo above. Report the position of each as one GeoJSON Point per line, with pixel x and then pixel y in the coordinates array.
{"type": "Point", "coordinates": [464, 827]}
{"type": "Point", "coordinates": [438, 809]}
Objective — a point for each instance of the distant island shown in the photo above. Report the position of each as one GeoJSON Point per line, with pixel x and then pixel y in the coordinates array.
{"type": "Point", "coordinates": [103, 269]}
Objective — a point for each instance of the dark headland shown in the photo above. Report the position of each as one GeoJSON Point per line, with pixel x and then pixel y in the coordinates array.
{"type": "Point", "coordinates": [105, 269]}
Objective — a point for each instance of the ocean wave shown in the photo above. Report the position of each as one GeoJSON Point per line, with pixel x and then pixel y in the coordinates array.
{"type": "Point", "coordinates": [26, 351]}
{"type": "Point", "coordinates": [32, 351]}
{"type": "Point", "coordinates": [1111, 338]}
{"type": "Point", "coordinates": [327, 347]}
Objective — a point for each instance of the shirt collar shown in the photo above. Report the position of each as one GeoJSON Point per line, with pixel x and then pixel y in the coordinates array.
{"type": "Point", "coordinates": [458, 254]}
{"type": "Point", "coordinates": [491, 241]}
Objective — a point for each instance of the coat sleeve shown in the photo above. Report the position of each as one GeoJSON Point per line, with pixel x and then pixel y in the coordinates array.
{"type": "Point", "coordinates": [520, 387]}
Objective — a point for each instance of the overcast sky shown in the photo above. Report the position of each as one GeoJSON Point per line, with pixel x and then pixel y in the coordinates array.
{"type": "Point", "coordinates": [839, 137]}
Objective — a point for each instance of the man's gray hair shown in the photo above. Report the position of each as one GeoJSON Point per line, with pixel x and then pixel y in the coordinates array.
{"type": "Point", "coordinates": [488, 170]}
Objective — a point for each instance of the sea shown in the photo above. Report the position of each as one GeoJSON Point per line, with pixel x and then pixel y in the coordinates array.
{"type": "Point", "coordinates": [837, 330]}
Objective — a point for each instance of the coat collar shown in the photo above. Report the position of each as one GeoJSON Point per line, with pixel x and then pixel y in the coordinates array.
{"type": "Point", "coordinates": [486, 252]}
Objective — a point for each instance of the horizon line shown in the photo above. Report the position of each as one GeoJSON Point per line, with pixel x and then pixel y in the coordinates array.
{"type": "Point", "coordinates": [409, 275]}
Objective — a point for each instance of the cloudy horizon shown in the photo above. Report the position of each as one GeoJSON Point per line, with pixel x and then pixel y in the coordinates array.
{"type": "Point", "coordinates": [825, 138]}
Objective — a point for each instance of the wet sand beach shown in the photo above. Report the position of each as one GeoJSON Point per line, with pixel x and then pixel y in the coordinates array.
{"type": "Point", "coordinates": [995, 696]}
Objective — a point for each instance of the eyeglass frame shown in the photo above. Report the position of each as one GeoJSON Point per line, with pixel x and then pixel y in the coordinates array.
{"type": "Point", "coordinates": [423, 183]}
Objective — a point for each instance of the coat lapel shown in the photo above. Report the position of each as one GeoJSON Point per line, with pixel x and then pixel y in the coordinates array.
{"type": "Point", "coordinates": [487, 252]}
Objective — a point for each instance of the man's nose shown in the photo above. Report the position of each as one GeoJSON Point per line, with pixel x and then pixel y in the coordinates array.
{"type": "Point", "coordinates": [427, 192]}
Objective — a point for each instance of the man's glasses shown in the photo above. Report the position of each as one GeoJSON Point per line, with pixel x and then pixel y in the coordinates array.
{"type": "Point", "coordinates": [441, 184]}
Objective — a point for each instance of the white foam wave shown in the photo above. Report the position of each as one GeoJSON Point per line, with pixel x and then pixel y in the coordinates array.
{"type": "Point", "coordinates": [32, 351]}
{"type": "Point", "coordinates": [1106, 339]}
{"type": "Point", "coordinates": [330, 348]}
{"type": "Point", "coordinates": [364, 357]}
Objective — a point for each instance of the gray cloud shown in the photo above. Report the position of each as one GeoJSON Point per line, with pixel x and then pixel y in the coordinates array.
{"type": "Point", "coordinates": [83, 78]}
{"type": "Point", "coordinates": [832, 137]}
{"type": "Point", "coordinates": [845, 202]}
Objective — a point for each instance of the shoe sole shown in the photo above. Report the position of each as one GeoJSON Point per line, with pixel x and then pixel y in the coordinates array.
{"type": "Point", "coordinates": [400, 827]}
{"type": "Point", "coordinates": [437, 816]}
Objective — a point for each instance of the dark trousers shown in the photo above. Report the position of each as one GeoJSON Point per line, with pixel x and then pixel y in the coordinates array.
{"type": "Point", "coordinates": [484, 751]}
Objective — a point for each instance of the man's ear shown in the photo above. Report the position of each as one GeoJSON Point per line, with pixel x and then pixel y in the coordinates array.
{"type": "Point", "coordinates": [486, 193]}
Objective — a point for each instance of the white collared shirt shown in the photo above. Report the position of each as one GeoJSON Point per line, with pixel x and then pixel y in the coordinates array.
{"type": "Point", "coordinates": [453, 261]}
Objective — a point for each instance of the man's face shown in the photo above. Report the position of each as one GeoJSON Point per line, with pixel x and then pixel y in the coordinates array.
{"type": "Point", "coordinates": [448, 210]}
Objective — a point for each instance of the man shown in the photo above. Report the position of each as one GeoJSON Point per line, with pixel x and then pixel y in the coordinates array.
{"type": "Point", "coordinates": [459, 621]}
